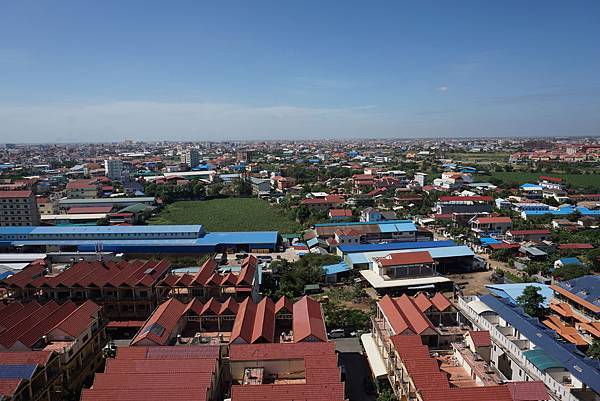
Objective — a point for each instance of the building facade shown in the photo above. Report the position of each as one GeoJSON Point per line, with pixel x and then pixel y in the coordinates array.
{"type": "Point", "coordinates": [18, 208]}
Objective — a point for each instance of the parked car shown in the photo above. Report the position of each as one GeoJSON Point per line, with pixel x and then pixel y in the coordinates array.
{"type": "Point", "coordinates": [337, 333]}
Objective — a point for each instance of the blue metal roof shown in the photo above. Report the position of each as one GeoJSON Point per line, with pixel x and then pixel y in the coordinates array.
{"type": "Point", "coordinates": [565, 211]}
{"type": "Point", "coordinates": [586, 287]}
{"type": "Point", "coordinates": [587, 212]}
{"type": "Point", "coordinates": [513, 291]}
{"type": "Point", "coordinates": [397, 227]}
{"type": "Point", "coordinates": [75, 230]}
{"type": "Point", "coordinates": [336, 268]}
{"type": "Point", "coordinates": [362, 223]}
{"type": "Point", "coordinates": [239, 237]}
{"type": "Point", "coordinates": [529, 185]}
{"type": "Point", "coordinates": [436, 253]}
{"type": "Point", "coordinates": [570, 261]}
{"type": "Point", "coordinates": [17, 371]}
{"type": "Point", "coordinates": [393, 246]}
{"type": "Point", "coordinates": [489, 241]}
{"type": "Point", "coordinates": [572, 359]}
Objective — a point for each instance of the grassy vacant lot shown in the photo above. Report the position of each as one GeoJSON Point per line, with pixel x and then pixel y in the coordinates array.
{"type": "Point", "coordinates": [576, 180]}
{"type": "Point", "coordinates": [228, 214]}
{"type": "Point", "coordinates": [479, 157]}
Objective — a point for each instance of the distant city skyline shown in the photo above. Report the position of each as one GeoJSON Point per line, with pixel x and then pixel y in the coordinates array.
{"type": "Point", "coordinates": [80, 71]}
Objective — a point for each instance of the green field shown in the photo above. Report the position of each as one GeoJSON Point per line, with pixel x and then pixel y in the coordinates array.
{"type": "Point", "coordinates": [479, 157]}
{"type": "Point", "coordinates": [228, 214]}
{"type": "Point", "coordinates": [519, 177]}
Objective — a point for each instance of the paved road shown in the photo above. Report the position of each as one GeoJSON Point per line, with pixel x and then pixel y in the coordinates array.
{"type": "Point", "coordinates": [357, 368]}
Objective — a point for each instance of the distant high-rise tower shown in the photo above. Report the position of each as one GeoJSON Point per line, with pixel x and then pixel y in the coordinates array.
{"type": "Point", "coordinates": [191, 157]}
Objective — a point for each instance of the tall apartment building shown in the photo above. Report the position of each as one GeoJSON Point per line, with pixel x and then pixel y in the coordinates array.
{"type": "Point", "coordinates": [18, 208]}
{"type": "Point", "coordinates": [191, 157]}
{"type": "Point", "coordinates": [113, 169]}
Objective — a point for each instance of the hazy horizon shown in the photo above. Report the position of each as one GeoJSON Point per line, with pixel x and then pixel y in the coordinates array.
{"type": "Point", "coordinates": [103, 72]}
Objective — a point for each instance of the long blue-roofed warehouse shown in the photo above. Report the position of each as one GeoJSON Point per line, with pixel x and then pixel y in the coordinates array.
{"type": "Point", "coordinates": [159, 239]}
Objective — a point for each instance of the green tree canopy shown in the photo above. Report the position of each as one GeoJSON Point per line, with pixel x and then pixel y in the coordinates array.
{"type": "Point", "coordinates": [532, 301]}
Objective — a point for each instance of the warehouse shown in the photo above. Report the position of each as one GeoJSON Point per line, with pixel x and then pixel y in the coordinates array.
{"type": "Point", "coordinates": [448, 259]}
{"type": "Point", "coordinates": [160, 239]}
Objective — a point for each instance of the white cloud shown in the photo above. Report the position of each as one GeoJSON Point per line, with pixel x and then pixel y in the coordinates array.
{"type": "Point", "coordinates": [442, 88]}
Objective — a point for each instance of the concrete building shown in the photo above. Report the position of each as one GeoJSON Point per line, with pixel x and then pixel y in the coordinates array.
{"type": "Point", "coordinates": [113, 169]}
{"type": "Point", "coordinates": [191, 157]}
{"type": "Point", "coordinates": [575, 310]}
{"type": "Point", "coordinates": [18, 208]}
{"type": "Point", "coordinates": [76, 333]}
{"type": "Point", "coordinates": [159, 373]}
{"type": "Point", "coordinates": [525, 350]}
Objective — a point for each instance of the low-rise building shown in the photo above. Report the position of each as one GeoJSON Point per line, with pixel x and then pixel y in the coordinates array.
{"type": "Point", "coordinates": [158, 374]}
{"type": "Point", "coordinates": [286, 372]}
{"type": "Point", "coordinates": [491, 226]}
{"type": "Point", "coordinates": [76, 334]}
{"type": "Point", "coordinates": [576, 309]}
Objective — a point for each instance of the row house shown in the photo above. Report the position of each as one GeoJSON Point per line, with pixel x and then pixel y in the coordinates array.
{"type": "Point", "coordinates": [230, 322]}
{"type": "Point", "coordinates": [575, 310]}
{"type": "Point", "coordinates": [211, 282]}
{"type": "Point", "coordinates": [76, 334]}
{"type": "Point", "coordinates": [126, 290]}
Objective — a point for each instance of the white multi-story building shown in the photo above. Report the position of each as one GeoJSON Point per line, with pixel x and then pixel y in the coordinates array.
{"type": "Point", "coordinates": [113, 168]}
{"type": "Point", "coordinates": [525, 350]}
{"type": "Point", "coordinates": [191, 157]}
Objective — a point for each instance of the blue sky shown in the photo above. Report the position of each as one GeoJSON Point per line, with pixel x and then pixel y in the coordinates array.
{"type": "Point", "coordinates": [110, 70]}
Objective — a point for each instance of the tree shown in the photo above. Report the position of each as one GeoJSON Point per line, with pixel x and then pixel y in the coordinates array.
{"type": "Point", "coordinates": [302, 214]}
{"type": "Point", "coordinates": [569, 272]}
{"type": "Point", "coordinates": [594, 349]}
{"type": "Point", "coordinates": [386, 395]}
{"type": "Point", "coordinates": [532, 301]}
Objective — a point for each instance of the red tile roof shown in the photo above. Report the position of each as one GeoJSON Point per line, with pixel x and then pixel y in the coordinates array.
{"type": "Point", "coordinates": [278, 351]}
{"type": "Point", "coordinates": [405, 258]}
{"type": "Point", "coordinates": [159, 327]}
{"type": "Point", "coordinates": [90, 209]}
{"type": "Point", "coordinates": [466, 199]}
{"type": "Point", "coordinates": [321, 372]}
{"type": "Point", "coordinates": [404, 316]}
{"type": "Point", "coordinates": [487, 220]}
{"type": "Point", "coordinates": [529, 232]}
{"type": "Point", "coordinates": [551, 179]}
{"type": "Point", "coordinates": [308, 322]}
{"type": "Point", "coordinates": [480, 338]}
{"type": "Point", "coordinates": [8, 387]}
{"type": "Point", "coordinates": [421, 300]}
{"type": "Point", "coordinates": [28, 324]}
{"type": "Point", "coordinates": [340, 212]}
{"type": "Point", "coordinates": [575, 246]}
{"type": "Point", "coordinates": [156, 374]}
{"type": "Point", "coordinates": [15, 194]}
{"type": "Point", "coordinates": [528, 391]}
{"type": "Point", "coordinates": [79, 320]}
{"type": "Point", "coordinates": [440, 302]}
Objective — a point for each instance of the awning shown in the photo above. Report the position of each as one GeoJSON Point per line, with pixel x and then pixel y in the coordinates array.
{"type": "Point", "coordinates": [376, 362]}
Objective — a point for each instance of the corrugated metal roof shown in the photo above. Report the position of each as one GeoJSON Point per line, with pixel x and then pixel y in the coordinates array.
{"type": "Point", "coordinates": [513, 291]}
{"type": "Point", "coordinates": [394, 246]}
{"type": "Point", "coordinates": [545, 339]}
{"type": "Point", "coordinates": [336, 268]}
